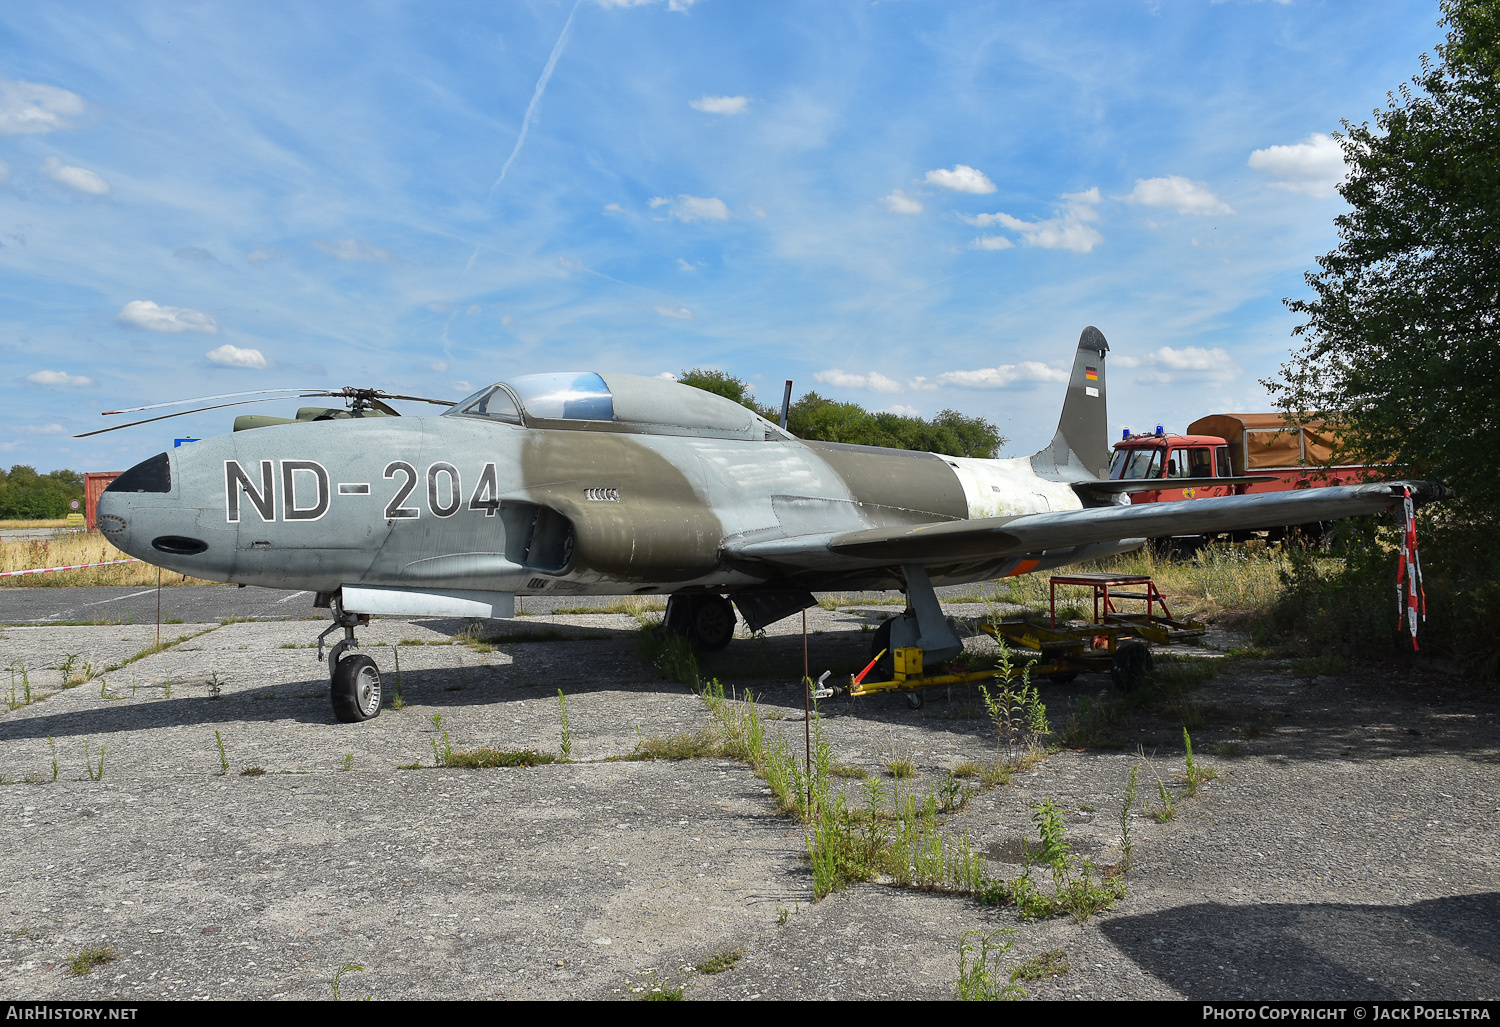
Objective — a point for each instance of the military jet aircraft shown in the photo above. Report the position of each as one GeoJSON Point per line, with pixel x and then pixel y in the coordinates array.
{"type": "Point", "coordinates": [615, 484]}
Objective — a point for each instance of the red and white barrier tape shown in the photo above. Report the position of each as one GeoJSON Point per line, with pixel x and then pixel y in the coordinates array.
{"type": "Point", "coordinates": [1411, 597]}
{"type": "Point", "coordinates": [70, 567]}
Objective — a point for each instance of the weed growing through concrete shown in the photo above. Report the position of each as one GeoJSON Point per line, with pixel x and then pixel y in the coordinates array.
{"type": "Point", "coordinates": [347, 763]}
{"type": "Point", "coordinates": [88, 762]}
{"type": "Point", "coordinates": [1076, 889]}
{"type": "Point", "coordinates": [1168, 809]}
{"type": "Point", "coordinates": [223, 759]}
{"type": "Point", "coordinates": [437, 722]}
{"type": "Point", "coordinates": [1196, 773]}
{"type": "Point", "coordinates": [215, 685]}
{"type": "Point", "coordinates": [252, 772]}
{"type": "Point", "coordinates": [671, 654]}
{"type": "Point", "coordinates": [718, 962]}
{"type": "Point", "coordinates": [97, 955]}
{"type": "Point", "coordinates": [397, 703]}
{"type": "Point", "coordinates": [655, 988]}
{"type": "Point", "coordinates": [567, 736]}
{"type": "Point", "coordinates": [339, 973]}
{"type": "Point", "coordinates": [25, 698]}
{"type": "Point", "coordinates": [1052, 963]}
{"type": "Point", "coordinates": [1126, 806]}
{"type": "Point", "coordinates": [979, 973]}
{"type": "Point", "coordinates": [53, 746]}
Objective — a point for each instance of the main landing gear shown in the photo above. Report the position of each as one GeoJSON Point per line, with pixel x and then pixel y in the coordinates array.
{"type": "Point", "coordinates": [704, 619]}
{"type": "Point", "coordinates": [354, 680]}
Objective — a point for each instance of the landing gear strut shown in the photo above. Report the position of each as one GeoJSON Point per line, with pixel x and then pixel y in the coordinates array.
{"type": "Point", "coordinates": [354, 681]}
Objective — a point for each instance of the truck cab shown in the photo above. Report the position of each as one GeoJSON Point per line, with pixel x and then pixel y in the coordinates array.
{"type": "Point", "coordinates": [1166, 456]}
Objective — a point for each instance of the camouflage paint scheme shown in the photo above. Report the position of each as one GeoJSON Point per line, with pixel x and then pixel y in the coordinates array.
{"type": "Point", "coordinates": [680, 491]}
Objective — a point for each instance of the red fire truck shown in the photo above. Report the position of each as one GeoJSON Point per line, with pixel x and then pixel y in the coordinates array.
{"type": "Point", "coordinates": [1264, 447]}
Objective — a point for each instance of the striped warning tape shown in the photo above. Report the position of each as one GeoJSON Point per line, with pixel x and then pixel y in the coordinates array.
{"type": "Point", "coordinates": [70, 567]}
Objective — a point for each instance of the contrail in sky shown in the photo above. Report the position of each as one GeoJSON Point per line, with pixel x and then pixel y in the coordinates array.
{"type": "Point", "coordinates": [536, 97]}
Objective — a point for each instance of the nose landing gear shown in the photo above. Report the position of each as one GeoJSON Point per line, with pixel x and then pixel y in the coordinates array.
{"type": "Point", "coordinates": [354, 680]}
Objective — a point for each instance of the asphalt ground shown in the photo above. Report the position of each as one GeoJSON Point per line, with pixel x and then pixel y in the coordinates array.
{"type": "Point", "coordinates": [1346, 851]}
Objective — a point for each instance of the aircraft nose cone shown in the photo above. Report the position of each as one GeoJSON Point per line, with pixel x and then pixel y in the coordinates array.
{"type": "Point", "coordinates": [140, 515]}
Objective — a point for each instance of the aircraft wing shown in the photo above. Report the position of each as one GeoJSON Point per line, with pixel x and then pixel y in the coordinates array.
{"type": "Point", "coordinates": [1006, 536]}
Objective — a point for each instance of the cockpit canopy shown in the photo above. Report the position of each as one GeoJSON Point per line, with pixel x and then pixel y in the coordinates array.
{"type": "Point", "coordinates": [585, 401]}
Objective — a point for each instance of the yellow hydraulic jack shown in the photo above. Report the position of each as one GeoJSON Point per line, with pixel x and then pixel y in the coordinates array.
{"type": "Point", "coordinates": [1119, 643]}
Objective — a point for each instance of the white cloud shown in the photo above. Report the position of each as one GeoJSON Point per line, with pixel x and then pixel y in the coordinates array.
{"type": "Point", "coordinates": [438, 365]}
{"type": "Point", "coordinates": [689, 265]}
{"type": "Point", "coordinates": [59, 380]}
{"type": "Point", "coordinates": [961, 178]}
{"type": "Point", "coordinates": [991, 242]}
{"type": "Point", "coordinates": [1066, 231]}
{"type": "Point", "coordinates": [261, 256]}
{"type": "Point", "coordinates": [145, 314]}
{"type": "Point", "coordinates": [613, 208]}
{"type": "Point", "coordinates": [437, 307]}
{"type": "Point", "coordinates": [691, 208]}
{"type": "Point", "coordinates": [232, 356]}
{"type": "Point", "coordinates": [4, 172]}
{"type": "Point", "coordinates": [29, 107]}
{"type": "Point", "coordinates": [903, 410]}
{"type": "Point", "coordinates": [474, 308]}
{"type": "Point", "coordinates": [42, 429]}
{"type": "Point", "coordinates": [82, 179]}
{"type": "Point", "coordinates": [1191, 362]}
{"type": "Point", "coordinates": [683, 313]}
{"type": "Point", "coordinates": [843, 379]}
{"type": "Point", "coordinates": [505, 319]}
{"type": "Point", "coordinates": [1177, 193]}
{"type": "Point", "coordinates": [720, 104]}
{"type": "Point", "coordinates": [1313, 167]}
{"type": "Point", "coordinates": [899, 203]}
{"type": "Point", "coordinates": [672, 5]}
{"type": "Point", "coordinates": [1002, 376]}
{"type": "Point", "coordinates": [351, 249]}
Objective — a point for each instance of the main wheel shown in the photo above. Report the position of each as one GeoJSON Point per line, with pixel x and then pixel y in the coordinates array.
{"type": "Point", "coordinates": [1132, 665]}
{"type": "Point", "coordinates": [356, 689]}
{"type": "Point", "coordinates": [713, 623]}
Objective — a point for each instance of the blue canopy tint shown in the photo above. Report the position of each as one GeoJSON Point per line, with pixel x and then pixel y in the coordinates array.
{"type": "Point", "coordinates": [565, 395]}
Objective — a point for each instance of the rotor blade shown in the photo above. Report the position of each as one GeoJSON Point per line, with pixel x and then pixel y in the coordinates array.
{"type": "Point", "coordinates": [197, 410]}
{"type": "Point", "coordinates": [385, 408]}
{"type": "Point", "coordinates": [200, 399]}
{"type": "Point", "coordinates": [422, 399]}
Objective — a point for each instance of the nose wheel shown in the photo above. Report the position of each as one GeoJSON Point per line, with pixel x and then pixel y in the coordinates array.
{"type": "Point", "coordinates": [354, 679]}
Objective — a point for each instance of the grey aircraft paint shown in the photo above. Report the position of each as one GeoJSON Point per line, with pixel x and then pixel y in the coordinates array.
{"type": "Point", "coordinates": [618, 484]}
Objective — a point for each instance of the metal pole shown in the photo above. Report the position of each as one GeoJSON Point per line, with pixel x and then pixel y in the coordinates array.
{"type": "Point", "coordinates": [806, 697]}
{"type": "Point", "coordinates": [158, 606]}
{"type": "Point", "coordinates": [786, 402]}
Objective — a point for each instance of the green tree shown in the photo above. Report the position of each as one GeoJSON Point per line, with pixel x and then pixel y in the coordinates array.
{"type": "Point", "coordinates": [721, 383]}
{"type": "Point", "coordinates": [27, 495]}
{"type": "Point", "coordinates": [1403, 350]}
{"type": "Point", "coordinates": [1402, 333]}
{"type": "Point", "coordinates": [819, 418]}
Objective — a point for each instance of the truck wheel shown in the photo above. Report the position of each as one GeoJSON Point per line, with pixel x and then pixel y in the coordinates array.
{"type": "Point", "coordinates": [356, 689]}
{"type": "Point", "coordinates": [1132, 665]}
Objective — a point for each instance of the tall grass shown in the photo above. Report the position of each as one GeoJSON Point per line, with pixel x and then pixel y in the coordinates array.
{"type": "Point", "coordinates": [81, 547]}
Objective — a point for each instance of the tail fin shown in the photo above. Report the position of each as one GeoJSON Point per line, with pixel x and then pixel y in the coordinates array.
{"type": "Point", "coordinates": [1080, 449]}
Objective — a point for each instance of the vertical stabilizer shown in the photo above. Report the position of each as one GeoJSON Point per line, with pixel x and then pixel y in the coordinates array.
{"type": "Point", "coordinates": [1080, 449]}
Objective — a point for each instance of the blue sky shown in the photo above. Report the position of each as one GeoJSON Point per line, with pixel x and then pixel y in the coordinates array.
{"type": "Point", "coordinates": [913, 205]}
